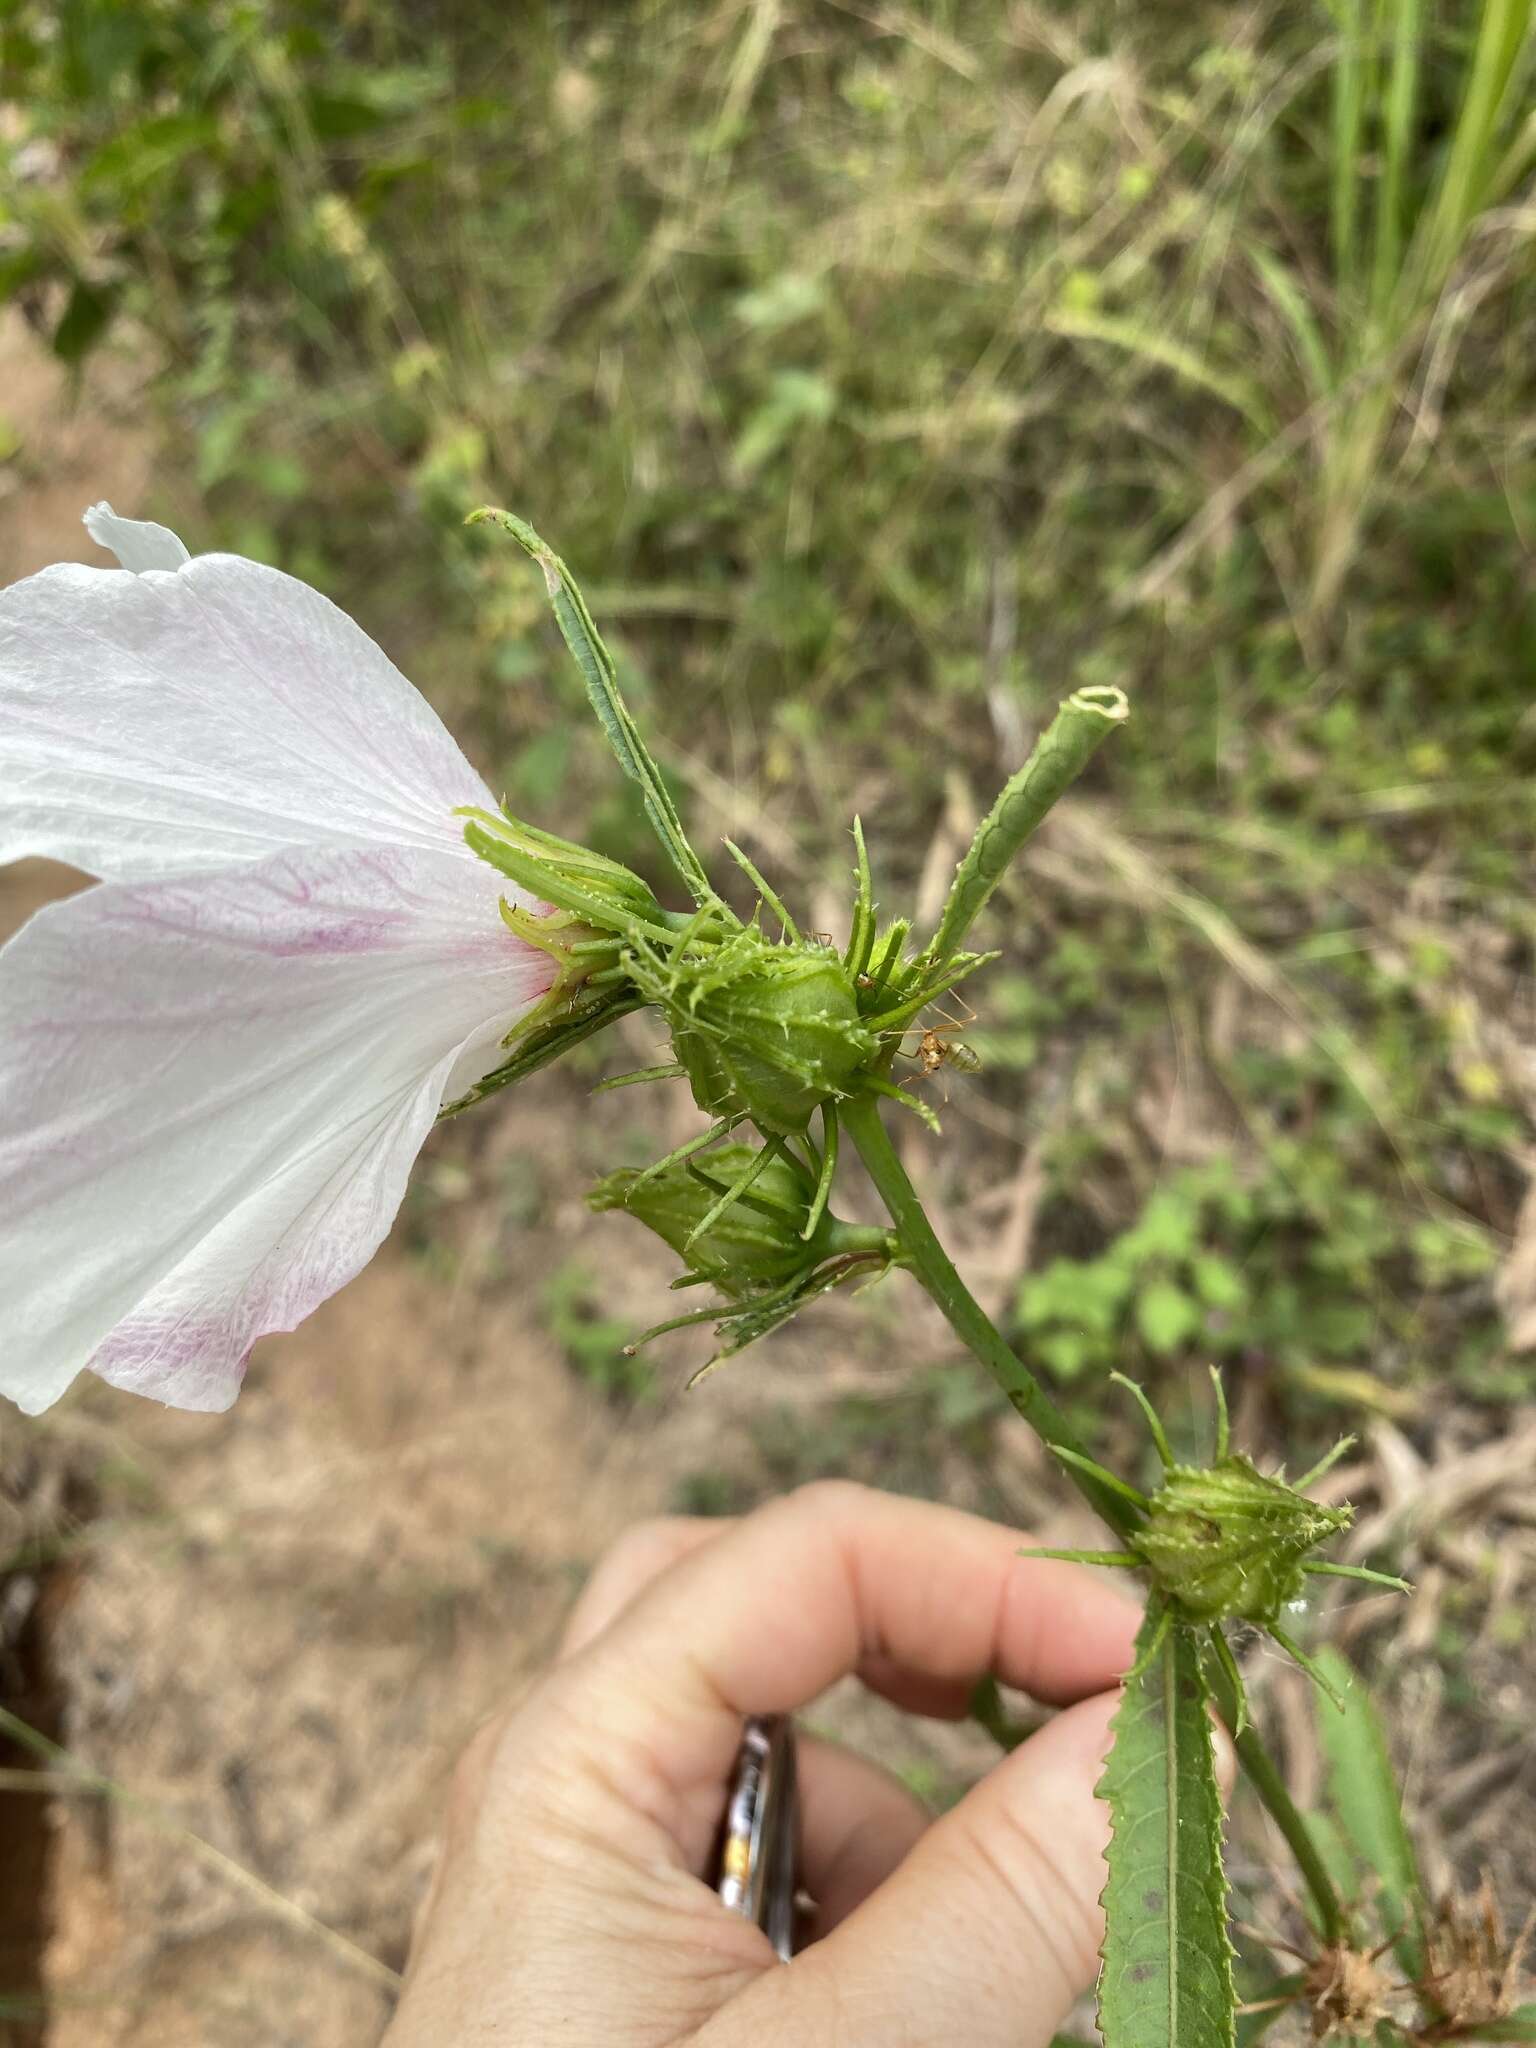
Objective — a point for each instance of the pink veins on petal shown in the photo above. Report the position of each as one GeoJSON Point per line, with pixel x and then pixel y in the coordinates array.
{"type": "Point", "coordinates": [217, 1066]}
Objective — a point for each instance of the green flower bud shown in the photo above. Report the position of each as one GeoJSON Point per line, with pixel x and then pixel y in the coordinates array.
{"type": "Point", "coordinates": [1224, 1542]}
{"type": "Point", "coordinates": [756, 1242]}
{"type": "Point", "coordinates": [762, 1030]}
{"type": "Point", "coordinates": [738, 1220]}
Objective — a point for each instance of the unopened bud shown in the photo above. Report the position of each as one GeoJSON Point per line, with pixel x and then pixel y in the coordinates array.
{"type": "Point", "coordinates": [762, 1030]}
{"type": "Point", "coordinates": [756, 1241]}
{"type": "Point", "coordinates": [1228, 1543]}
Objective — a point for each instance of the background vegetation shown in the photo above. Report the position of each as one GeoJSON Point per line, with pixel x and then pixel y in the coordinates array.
{"type": "Point", "coordinates": [886, 372]}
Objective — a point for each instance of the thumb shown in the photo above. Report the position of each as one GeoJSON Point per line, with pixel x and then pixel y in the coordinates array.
{"type": "Point", "coordinates": [988, 1933]}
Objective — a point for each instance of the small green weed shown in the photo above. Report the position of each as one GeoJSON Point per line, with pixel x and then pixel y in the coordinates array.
{"type": "Point", "coordinates": [592, 1341]}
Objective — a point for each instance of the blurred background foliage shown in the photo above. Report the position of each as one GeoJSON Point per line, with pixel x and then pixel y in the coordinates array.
{"type": "Point", "coordinates": [887, 372]}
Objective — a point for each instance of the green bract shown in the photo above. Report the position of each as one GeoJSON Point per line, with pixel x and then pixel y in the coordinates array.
{"type": "Point", "coordinates": [587, 886]}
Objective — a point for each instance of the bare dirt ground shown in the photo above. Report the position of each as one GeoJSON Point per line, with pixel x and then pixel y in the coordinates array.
{"type": "Point", "coordinates": [267, 1634]}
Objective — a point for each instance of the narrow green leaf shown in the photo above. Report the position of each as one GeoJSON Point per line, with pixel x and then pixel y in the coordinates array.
{"type": "Point", "coordinates": [861, 934]}
{"type": "Point", "coordinates": [545, 1043]}
{"type": "Point", "coordinates": [754, 875]}
{"type": "Point", "coordinates": [761, 1161]}
{"type": "Point", "coordinates": [1397, 154]}
{"type": "Point", "coordinates": [1348, 125]}
{"type": "Point", "coordinates": [1085, 720]}
{"type": "Point", "coordinates": [596, 664]}
{"type": "Point", "coordinates": [1167, 1976]}
{"type": "Point", "coordinates": [669, 1070]}
{"type": "Point", "coordinates": [1294, 307]}
{"type": "Point", "coordinates": [1368, 1804]}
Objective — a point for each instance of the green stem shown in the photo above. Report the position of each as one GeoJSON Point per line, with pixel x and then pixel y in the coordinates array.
{"type": "Point", "coordinates": [970, 1323]}
{"type": "Point", "coordinates": [1063, 751]}
{"type": "Point", "coordinates": [1261, 1773]}
{"type": "Point", "coordinates": [931, 1263]}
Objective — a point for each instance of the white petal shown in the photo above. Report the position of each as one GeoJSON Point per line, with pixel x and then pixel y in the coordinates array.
{"type": "Point", "coordinates": [137, 543]}
{"type": "Point", "coordinates": [211, 1092]}
{"type": "Point", "coordinates": [180, 721]}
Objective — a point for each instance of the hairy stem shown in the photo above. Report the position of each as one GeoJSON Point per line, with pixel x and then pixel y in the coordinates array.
{"type": "Point", "coordinates": [927, 1258]}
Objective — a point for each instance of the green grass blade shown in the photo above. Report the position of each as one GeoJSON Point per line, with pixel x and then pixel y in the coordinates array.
{"type": "Point", "coordinates": [1516, 160]}
{"type": "Point", "coordinates": [1502, 42]}
{"type": "Point", "coordinates": [1348, 124]}
{"type": "Point", "coordinates": [1396, 154]}
{"type": "Point", "coordinates": [1167, 1977]}
{"type": "Point", "coordinates": [1293, 306]}
{"type": "Point", "coordinates": [1150, 346]}
{"type": "Point", "coordinates": [1368, 1805]}
{"type": "Point", "coordinates": [596, 665]}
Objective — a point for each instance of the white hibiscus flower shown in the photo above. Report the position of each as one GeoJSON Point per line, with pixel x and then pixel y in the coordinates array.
{"type": "Point", "coordinates": [217, 1066]}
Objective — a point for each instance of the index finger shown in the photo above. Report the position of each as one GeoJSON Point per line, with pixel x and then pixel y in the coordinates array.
{"type": "Point", "coordinates": [773, 1611]}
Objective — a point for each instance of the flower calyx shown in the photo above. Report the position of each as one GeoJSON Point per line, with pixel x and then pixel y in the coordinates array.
{"type": "Point", "coordinates": [751, 1222]}
{"type": "Point", "coordinates": [587, 908]}
{"type": "Point", "coordinates": [580, 909]}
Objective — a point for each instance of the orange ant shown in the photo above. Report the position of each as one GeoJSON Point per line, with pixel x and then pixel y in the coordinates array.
{"type": "Point", "coordinates": [936, 1048]}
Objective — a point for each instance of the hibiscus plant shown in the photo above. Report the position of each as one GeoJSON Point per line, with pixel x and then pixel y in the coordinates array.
{"type": "Point", "coordinates": [316, 932]}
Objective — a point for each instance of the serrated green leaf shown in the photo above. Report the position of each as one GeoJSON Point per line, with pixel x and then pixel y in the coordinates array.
{"type": "Point", "coordinates": [1167, 1976]}
{"type": "Point", "coordinates": [1365, 1795]}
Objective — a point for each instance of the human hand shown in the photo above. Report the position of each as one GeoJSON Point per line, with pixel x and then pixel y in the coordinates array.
{"type": "Point", "coordinates": [569, 1904]}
